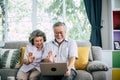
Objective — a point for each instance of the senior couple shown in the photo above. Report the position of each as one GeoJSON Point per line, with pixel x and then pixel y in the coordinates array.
{"type": "Point", "coordinates": [60, 49]}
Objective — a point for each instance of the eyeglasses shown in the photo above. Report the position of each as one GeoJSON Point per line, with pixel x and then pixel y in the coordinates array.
{"type": "Point", "coordinates": [56, 33]}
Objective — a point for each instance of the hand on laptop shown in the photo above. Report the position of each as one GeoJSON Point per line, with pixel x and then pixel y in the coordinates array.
{"type": "Point", "coordinates": [68, 72]}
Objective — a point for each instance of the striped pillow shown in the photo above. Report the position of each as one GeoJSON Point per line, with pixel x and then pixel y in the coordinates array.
{"type": "Point", "coordinates": [10, 58]}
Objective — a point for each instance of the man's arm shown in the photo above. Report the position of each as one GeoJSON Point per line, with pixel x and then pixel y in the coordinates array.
{"type": "Point", "coordinates": [73, 53]}
{"type": "Point", "coordinates": [71, 62]}
{"type": "Point", "coordinates": [72, 57]}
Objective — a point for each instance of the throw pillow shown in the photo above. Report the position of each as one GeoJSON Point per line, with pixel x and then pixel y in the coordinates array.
{"type": "Point", "coordinates": [97, 66]}
{"type": "Point", "coordinates": [10, 58]}
{"type": "Point", "coordinates": [22, 56]}
{"type": "Point", "coordinates": [83, 55]}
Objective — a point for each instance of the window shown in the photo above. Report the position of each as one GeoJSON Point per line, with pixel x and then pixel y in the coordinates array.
{"type": "Point", "coordinates": [19, 19]}
{"type": "Point", "coordinates": [1, 27]}
{"type": "Point", "coordinates": [23, 16]}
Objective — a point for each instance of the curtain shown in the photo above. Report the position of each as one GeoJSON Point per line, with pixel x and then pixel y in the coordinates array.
{"type": "Point", "coordinates": [93, 9]}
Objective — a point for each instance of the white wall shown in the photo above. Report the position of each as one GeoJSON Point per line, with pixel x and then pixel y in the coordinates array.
{"type": "Point", "coordinates": [108, 61]}
{"type": "Point", "coordinates": [106, 30]}
{"type": "Point", "coordinates": [107, 57]}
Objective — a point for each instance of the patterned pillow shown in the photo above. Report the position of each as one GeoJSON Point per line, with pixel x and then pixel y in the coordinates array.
{"type": "Point", "coordinates": [10, 58]}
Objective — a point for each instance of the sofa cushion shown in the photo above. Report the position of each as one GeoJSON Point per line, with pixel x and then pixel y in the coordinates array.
{"type": "Point", "coordinates": [96, 52]}
{"type": "Point", "coordinates": [83, 43]}
{"type": "Point", "coordinates": [83, 53]}
{"type": "Point", "coordinates": [97, 66]}
{"type": "Point", "coordinates": [10, 58]}
{"type": "Point", "coordinates": [83, 75]}
{"type": "Point", "coordinates": [102, 75]}
{"type": "Point", "coordinates": [15, 44]}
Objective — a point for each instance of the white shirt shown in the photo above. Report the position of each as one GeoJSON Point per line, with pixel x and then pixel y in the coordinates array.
{"type": "Point", "coordinates": [67, 49]}
{"type": "Point", "coordinates": [36, 63]}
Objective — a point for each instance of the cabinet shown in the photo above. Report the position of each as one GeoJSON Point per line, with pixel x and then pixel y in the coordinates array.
{"type": "Point", "coordinates": [115, 21]}
{"type": "Point", "coordinates": [115, 24]}
{"type": "Point", "coordinates": [116, 65]}
{"type": "Point", "coordinates": [116, 74]}
{"type": "Point", "coordinates": [116, 59]}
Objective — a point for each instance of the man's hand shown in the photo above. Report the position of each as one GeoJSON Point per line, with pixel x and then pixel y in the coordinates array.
{"type": "Point", "coordinates": [68, 72]}
{"type": "Point", "coordinates": [30, 57]}
{"type": "Point", "coordinates": [71, 62]}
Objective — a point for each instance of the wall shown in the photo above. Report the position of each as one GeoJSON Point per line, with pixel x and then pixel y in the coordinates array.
{"type": "Point", "coordinates": [106, 30]}
{"type": "Point", "coordinates": [108, 60]}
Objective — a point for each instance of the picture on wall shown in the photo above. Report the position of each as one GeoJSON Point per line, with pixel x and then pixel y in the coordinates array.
{"type": "Point", "coordinates": [116, 45]}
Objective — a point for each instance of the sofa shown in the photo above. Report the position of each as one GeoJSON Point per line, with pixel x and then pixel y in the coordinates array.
{"type": "Point", "coordinates": [95, 69]}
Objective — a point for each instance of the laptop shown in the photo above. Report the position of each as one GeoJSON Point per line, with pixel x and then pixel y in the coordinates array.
{"type": "Point", "coordinates": [53, 69]}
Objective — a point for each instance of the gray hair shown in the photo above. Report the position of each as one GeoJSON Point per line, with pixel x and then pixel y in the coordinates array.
{"type": "Point", "coordinates": [36, 33]}
{"type": "Point", "coordinates": [60, 24]}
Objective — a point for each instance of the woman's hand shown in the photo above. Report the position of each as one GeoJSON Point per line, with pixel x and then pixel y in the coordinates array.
{"type": "Point", "coordinates": [30, 57]}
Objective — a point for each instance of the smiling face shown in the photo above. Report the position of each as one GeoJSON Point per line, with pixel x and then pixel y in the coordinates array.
{"type": "Point", "coordinates": [38, 41]}
{"type": "Point", "coordinates": [59, 33]}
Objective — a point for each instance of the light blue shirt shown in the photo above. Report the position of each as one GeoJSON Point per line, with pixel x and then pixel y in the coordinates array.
{"type": "Point", "coordinates": [36, 63]}
{"type": "Point", "coordinates": [67, 49]}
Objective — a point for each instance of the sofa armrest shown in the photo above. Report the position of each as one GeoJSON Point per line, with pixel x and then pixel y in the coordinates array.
{"type": "Point", "coordinates": [4, 73]}
{"type": "Point", "coordinates": [97, 66]}
{"type": "Point", "coordinates": [97, 53]}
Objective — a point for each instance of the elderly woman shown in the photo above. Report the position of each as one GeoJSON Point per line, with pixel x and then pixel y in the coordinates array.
{"type": "Point", "coordinates": [30, 70]}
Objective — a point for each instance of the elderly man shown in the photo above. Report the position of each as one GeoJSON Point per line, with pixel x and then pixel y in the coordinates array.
{"type": "Point", "coordinates": [61, 49]}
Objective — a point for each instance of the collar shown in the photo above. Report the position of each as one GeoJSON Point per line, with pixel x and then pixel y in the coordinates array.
{"type": "Point", "coordinates": [54, 41]}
